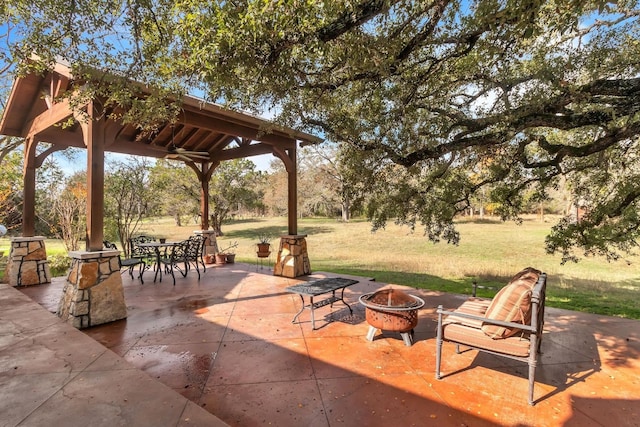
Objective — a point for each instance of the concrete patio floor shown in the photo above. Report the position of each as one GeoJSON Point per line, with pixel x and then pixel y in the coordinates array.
{"type": "Point", "coordinates": [227, 344]}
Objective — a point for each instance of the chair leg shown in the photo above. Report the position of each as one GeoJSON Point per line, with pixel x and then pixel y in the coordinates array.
{"type": "Point", "coordinates": [173, 275]}
{"type": "Point", "coordinates": [197, 268]}
{"type": "Point", "coordinates": [533, 361]}
{"type": "Point", "coordinates": [532, 381]}
{"type": "Point", "coordinates": [143, 267]}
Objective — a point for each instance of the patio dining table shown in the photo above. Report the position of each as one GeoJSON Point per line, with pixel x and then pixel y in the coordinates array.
{"type": "Point", "coordinates": [156, 246]}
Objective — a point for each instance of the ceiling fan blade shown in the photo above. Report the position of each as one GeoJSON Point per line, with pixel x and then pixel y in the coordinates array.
{"type": "Point", "coordinates": [187, 155]}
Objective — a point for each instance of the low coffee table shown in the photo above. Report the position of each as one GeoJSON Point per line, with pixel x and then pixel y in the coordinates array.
{"type": "Point", "coordinates": [320, 287]}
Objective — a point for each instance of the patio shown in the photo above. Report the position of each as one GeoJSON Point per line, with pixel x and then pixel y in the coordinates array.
{"type": "Point", "coordinates": [227, 344]}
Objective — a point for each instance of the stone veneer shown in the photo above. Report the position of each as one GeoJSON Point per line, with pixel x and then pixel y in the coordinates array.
{"type": "Point", "coordinates": [93, 293]}
{"type": "Point", "coordinates": [27, 263]}
{"type": "Point", "coordinates": [293, 259]}
{"type": "Point", "coordinates": [210, 242]}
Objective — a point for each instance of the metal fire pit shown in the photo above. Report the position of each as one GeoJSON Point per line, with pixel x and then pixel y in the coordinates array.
{"type": "Point", "coordinates": [392, 310]}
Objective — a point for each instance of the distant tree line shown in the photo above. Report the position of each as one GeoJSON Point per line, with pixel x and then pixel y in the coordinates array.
{"type": "Point", "coordinates": [138, 188]}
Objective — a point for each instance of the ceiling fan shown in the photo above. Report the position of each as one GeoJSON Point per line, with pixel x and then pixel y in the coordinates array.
{"type": "Point", "coordinates": [180, 153]}
{"type": "Point", "coordinates": [187, 155]}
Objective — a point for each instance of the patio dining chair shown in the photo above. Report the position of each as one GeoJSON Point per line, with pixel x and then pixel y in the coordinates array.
{"type": "Point", "coordinates": [510, 325]}
{"type": "Point", "coordinates": [175, 258]}
{"type": "Point", "coordinates": [194, 251]}
{"type": "Point", "coordinates": [148, 254]}
{"type": "Point", "coordinates": [129, 263]}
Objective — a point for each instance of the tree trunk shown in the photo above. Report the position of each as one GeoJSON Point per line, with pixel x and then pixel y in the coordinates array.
{"type": "Point", "coordinates": [216, 224]}
{"type": "Point", "coordinates": [346, 209]}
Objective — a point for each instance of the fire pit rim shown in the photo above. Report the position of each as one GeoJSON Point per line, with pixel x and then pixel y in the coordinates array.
{"type": "Point", "coordinates": [379, 307]}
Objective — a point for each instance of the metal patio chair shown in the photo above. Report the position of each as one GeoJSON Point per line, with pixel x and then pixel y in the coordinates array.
{"type": "Point", "coordinates": [510, 325]}
{"type": "Point", "coordinates": [129, 263]}
{"type": "Point", "coordinates": [175, 258]}
{"type": "Point", "coordinates": [194, 251]}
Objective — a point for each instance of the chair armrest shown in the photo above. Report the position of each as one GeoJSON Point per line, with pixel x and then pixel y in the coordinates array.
{"type": "Point", "coordinates": [530, 328]}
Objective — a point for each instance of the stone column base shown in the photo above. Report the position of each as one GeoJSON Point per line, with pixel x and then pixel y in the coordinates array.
{"type": "Point", "coordinates": [27, 263]}
{"type": "Point", "coordinates": [293, 259]}
{"type": "Point", "coordinates": [210, 243]}
{"type": "Point", "coordinates": [93, 293]}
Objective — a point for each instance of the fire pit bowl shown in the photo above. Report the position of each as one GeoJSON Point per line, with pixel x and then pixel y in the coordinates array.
{"type": "Point", "coordinates": [392, 310]}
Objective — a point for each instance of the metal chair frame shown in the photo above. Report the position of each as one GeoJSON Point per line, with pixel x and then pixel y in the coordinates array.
{"type": "Point", "coordinates": [129, 263]}
{"type": "Point", "coordinates": [173, 258]}
{"type": "Point", "coordinates": [533, 330]}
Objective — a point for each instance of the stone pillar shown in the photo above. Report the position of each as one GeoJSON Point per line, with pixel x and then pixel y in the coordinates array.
{"type": "Point", "coordinates": [27, 263]}
{"type": "Point", "coordinates": [293, 259]}
{"type": "Point", "coordinates": [210, 242]}
{"type": "Point", "coordinates": [93, 293]}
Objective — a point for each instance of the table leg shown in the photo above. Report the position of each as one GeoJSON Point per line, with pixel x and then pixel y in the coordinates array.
{"type": "Point", "coordinates": [313, 320]}
{"type": "Point", "coordinates": [300, 312]}
{"type": "Point", "coordinates": [343, 301]}
{"type": "Point", "coordinates": [158, 265]}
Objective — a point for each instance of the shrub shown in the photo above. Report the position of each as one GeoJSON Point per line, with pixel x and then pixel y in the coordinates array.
{"type": "Point", "coordinates": [59, 265]}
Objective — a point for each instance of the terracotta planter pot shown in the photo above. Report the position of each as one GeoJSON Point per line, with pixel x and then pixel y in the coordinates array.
{"type": "Point", "coordinates": [209, 259]}
{"type": "Point", "coordinates": [221, 258]}
{"type": "Point", "coordinates": [263, 254]}
{"type": "Point", "coordinates": [264, 247]}
{"type": "Point", "coordinates": [231, 258]}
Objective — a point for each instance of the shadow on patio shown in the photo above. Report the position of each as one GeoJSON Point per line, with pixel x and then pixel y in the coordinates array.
{"type": "Point", "coordinates": [227, 343]}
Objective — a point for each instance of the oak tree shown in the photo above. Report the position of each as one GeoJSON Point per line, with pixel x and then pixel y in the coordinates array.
{"type": "Point", "coordinates": [421, 92]}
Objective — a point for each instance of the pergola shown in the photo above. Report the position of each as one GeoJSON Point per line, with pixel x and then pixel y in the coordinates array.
{"type": "Point", "coordinates": [38, 112]}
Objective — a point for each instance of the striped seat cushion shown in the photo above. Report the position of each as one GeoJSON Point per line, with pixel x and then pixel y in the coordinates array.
{"type": "Point", "coordinates": [512, 304]}
{"type": "Point", "coordinates": [515, 346]}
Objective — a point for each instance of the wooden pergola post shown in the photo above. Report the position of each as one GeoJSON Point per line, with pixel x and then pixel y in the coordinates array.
{"type": "Point", "coordinates": [94, 135]}
{"type": "Point", "coordinates": [29, 181]}
{"type": "Point", "coordinates": [293, 258]}
{"type": "Point", "coordinates": [204, 204]}
{"type": "Point", "coordinates": [292, 192]}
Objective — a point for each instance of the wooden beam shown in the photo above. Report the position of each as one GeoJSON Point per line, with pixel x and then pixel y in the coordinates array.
{"type": "Point", "coordinates": [284, 156]}
{"type": "Point", "coordinates": [23, 96]}
{"type": "Point", "coordinates": [247, 151]}
{"type": "Point", "coordinates": [40, 158]}
{"type": "Point", "coordinates": [223, 126]}
{"type": "Point", "coordinates": [54, 115]}
{"type": "Point", "coordinates": [137, 149]}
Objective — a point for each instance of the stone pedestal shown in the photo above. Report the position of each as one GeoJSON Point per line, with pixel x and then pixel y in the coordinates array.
{"type": "Point", "coordinates": [293, 259]}
{"type": "Point", "coordinates": [210, 243]}
{"type": "Point", "coordinates": [27, 263]}
{"type": "Point", "coordinates": [93, 293]}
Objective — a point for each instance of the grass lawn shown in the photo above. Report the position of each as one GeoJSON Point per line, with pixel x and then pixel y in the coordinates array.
{"type": "Point", "coordinates": [489, 252]}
